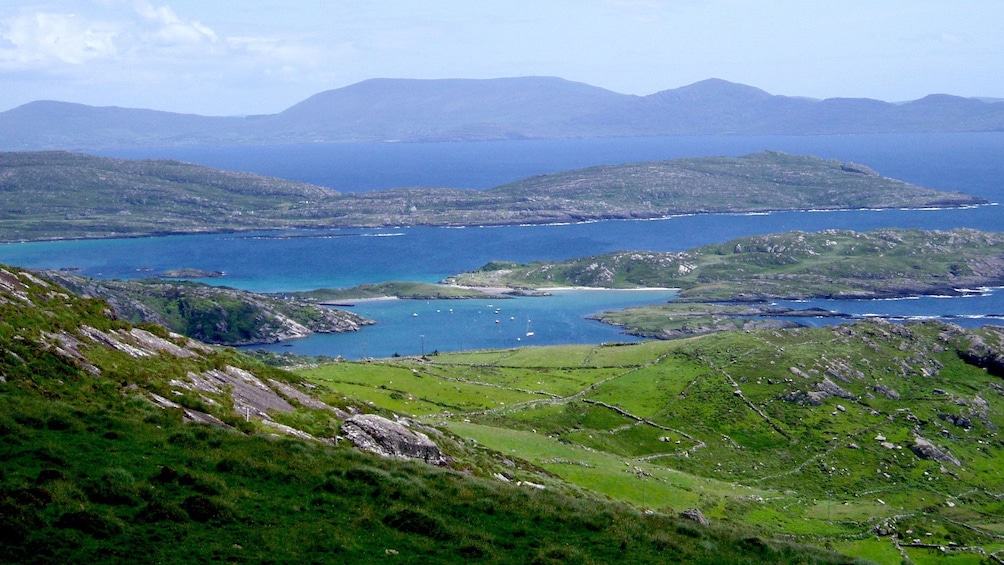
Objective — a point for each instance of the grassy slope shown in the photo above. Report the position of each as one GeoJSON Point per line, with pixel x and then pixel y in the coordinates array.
{"type": "Point", "coordinates": [91, 470]}
{"type": "Point", "coordinates": [57, 195]}
{"type": "Point", "coordinates": [726, 423]}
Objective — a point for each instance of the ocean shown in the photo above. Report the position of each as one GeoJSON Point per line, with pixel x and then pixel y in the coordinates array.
{"type": "Point", "coordinates": [972, 163]}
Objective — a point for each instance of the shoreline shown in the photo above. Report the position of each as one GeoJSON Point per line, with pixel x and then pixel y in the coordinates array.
{"type": "Point", "coordinates": [450, 225]}
{"type": "Point", "coordinates": [506, 289]}
{"type": "Point", "coordinates": [344, 302]}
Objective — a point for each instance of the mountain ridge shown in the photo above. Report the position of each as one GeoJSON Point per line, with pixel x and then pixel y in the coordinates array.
{"type": "Point", "coordinates": [418, 110]}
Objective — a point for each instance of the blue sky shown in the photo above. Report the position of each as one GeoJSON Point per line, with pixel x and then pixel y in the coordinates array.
{"type": "Point", "coordinates": [227, 57]}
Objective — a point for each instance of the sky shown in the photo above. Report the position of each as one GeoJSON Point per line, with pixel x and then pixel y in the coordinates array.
{"type": "Point", "coordinates": [239, 57]}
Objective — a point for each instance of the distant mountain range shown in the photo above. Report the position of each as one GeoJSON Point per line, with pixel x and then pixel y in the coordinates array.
{"type": "Point", "coordinates": [492, 109]}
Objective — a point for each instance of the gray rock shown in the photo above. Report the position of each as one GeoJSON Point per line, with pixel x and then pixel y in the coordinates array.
{"type": "Point", "coordinates": [924, 449]}
{"type": "Point", "coordinates": [391, 439]}
{"type": "Point", "coordinates": [695, 515]}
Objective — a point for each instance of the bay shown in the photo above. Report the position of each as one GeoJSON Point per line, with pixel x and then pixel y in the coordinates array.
{"type": "Point", "coordinates": [972, 163]}
{"type": "Point", "coordinates": [413, 327]}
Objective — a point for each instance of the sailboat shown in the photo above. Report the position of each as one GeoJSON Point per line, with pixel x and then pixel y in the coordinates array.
{"type": "Point", "coordinates": [528, 331]}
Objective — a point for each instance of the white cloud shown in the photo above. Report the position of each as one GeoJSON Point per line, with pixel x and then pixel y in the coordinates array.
{"type": "Point", "coordinates": [44, 39]}
{"type": "Point", "coordinates": [166, 27]}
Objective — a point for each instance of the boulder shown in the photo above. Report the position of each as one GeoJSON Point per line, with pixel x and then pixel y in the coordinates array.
{"type": "Point", "coordinates": [924, 449]}
{"type": "Point", "coordinates": [391, 439]}
{"type": "Point", "coordinates": [695, 515]}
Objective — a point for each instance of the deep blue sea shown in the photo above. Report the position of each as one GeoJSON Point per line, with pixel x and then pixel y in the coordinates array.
{"type": "Point", "coordinates": [972, 163]}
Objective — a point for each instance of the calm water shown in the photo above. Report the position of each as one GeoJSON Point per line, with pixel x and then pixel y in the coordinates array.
{"type": "Point", "coordinates": [409, 327]}
{"type": "Point", "coordinates": [972, 163]}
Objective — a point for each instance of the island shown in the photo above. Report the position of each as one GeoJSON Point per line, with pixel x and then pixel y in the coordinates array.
{"type": "Point", "coordinates": [58, 195]}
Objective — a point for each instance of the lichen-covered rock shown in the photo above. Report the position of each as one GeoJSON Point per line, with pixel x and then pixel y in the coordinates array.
{"type": "Point", "coordinates": [391, 439]}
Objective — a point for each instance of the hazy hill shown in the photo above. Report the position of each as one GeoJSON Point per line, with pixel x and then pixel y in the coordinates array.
{"type": "Point", "coordinates": [504, 108]}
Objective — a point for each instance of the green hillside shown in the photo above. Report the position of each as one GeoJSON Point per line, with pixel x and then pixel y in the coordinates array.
{"type": "Point", "coordinates": [55, 195]}
{"type": "Point", "coordinates": [121, 443]}
{"type": "Point", "coordinates": [876, 439]}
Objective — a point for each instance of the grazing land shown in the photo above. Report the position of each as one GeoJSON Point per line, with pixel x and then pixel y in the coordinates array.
{"type": "Point", "coordinates": [56, 195]}
{"type": "Point", "coordinates": [879, 439]}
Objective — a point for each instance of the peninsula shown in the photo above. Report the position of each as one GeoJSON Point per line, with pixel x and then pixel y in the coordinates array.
{"type": "Point", "coordinates": [56, 195]}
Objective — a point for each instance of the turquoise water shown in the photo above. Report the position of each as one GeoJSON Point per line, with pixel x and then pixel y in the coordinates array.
{"type": "Point", "coordinates": [410, 327]}
{"type": "Point", "coordinates": [972, 163]}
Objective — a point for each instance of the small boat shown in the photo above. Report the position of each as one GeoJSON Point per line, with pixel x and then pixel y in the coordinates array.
{"type": "Point", "coordinates": [415, 315]}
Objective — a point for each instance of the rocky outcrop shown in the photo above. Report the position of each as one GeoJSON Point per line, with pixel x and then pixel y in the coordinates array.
{"type": "Point", "coordinates": [695, 515]}
{"type": "Point", "coordinates": [924, 449]}
{"type": "Point", "coordinates": [219, 315]}
{"type": "Point", "coordinates": [824, 389]}
{"type": "Point", "coordinates": [391, 439]}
